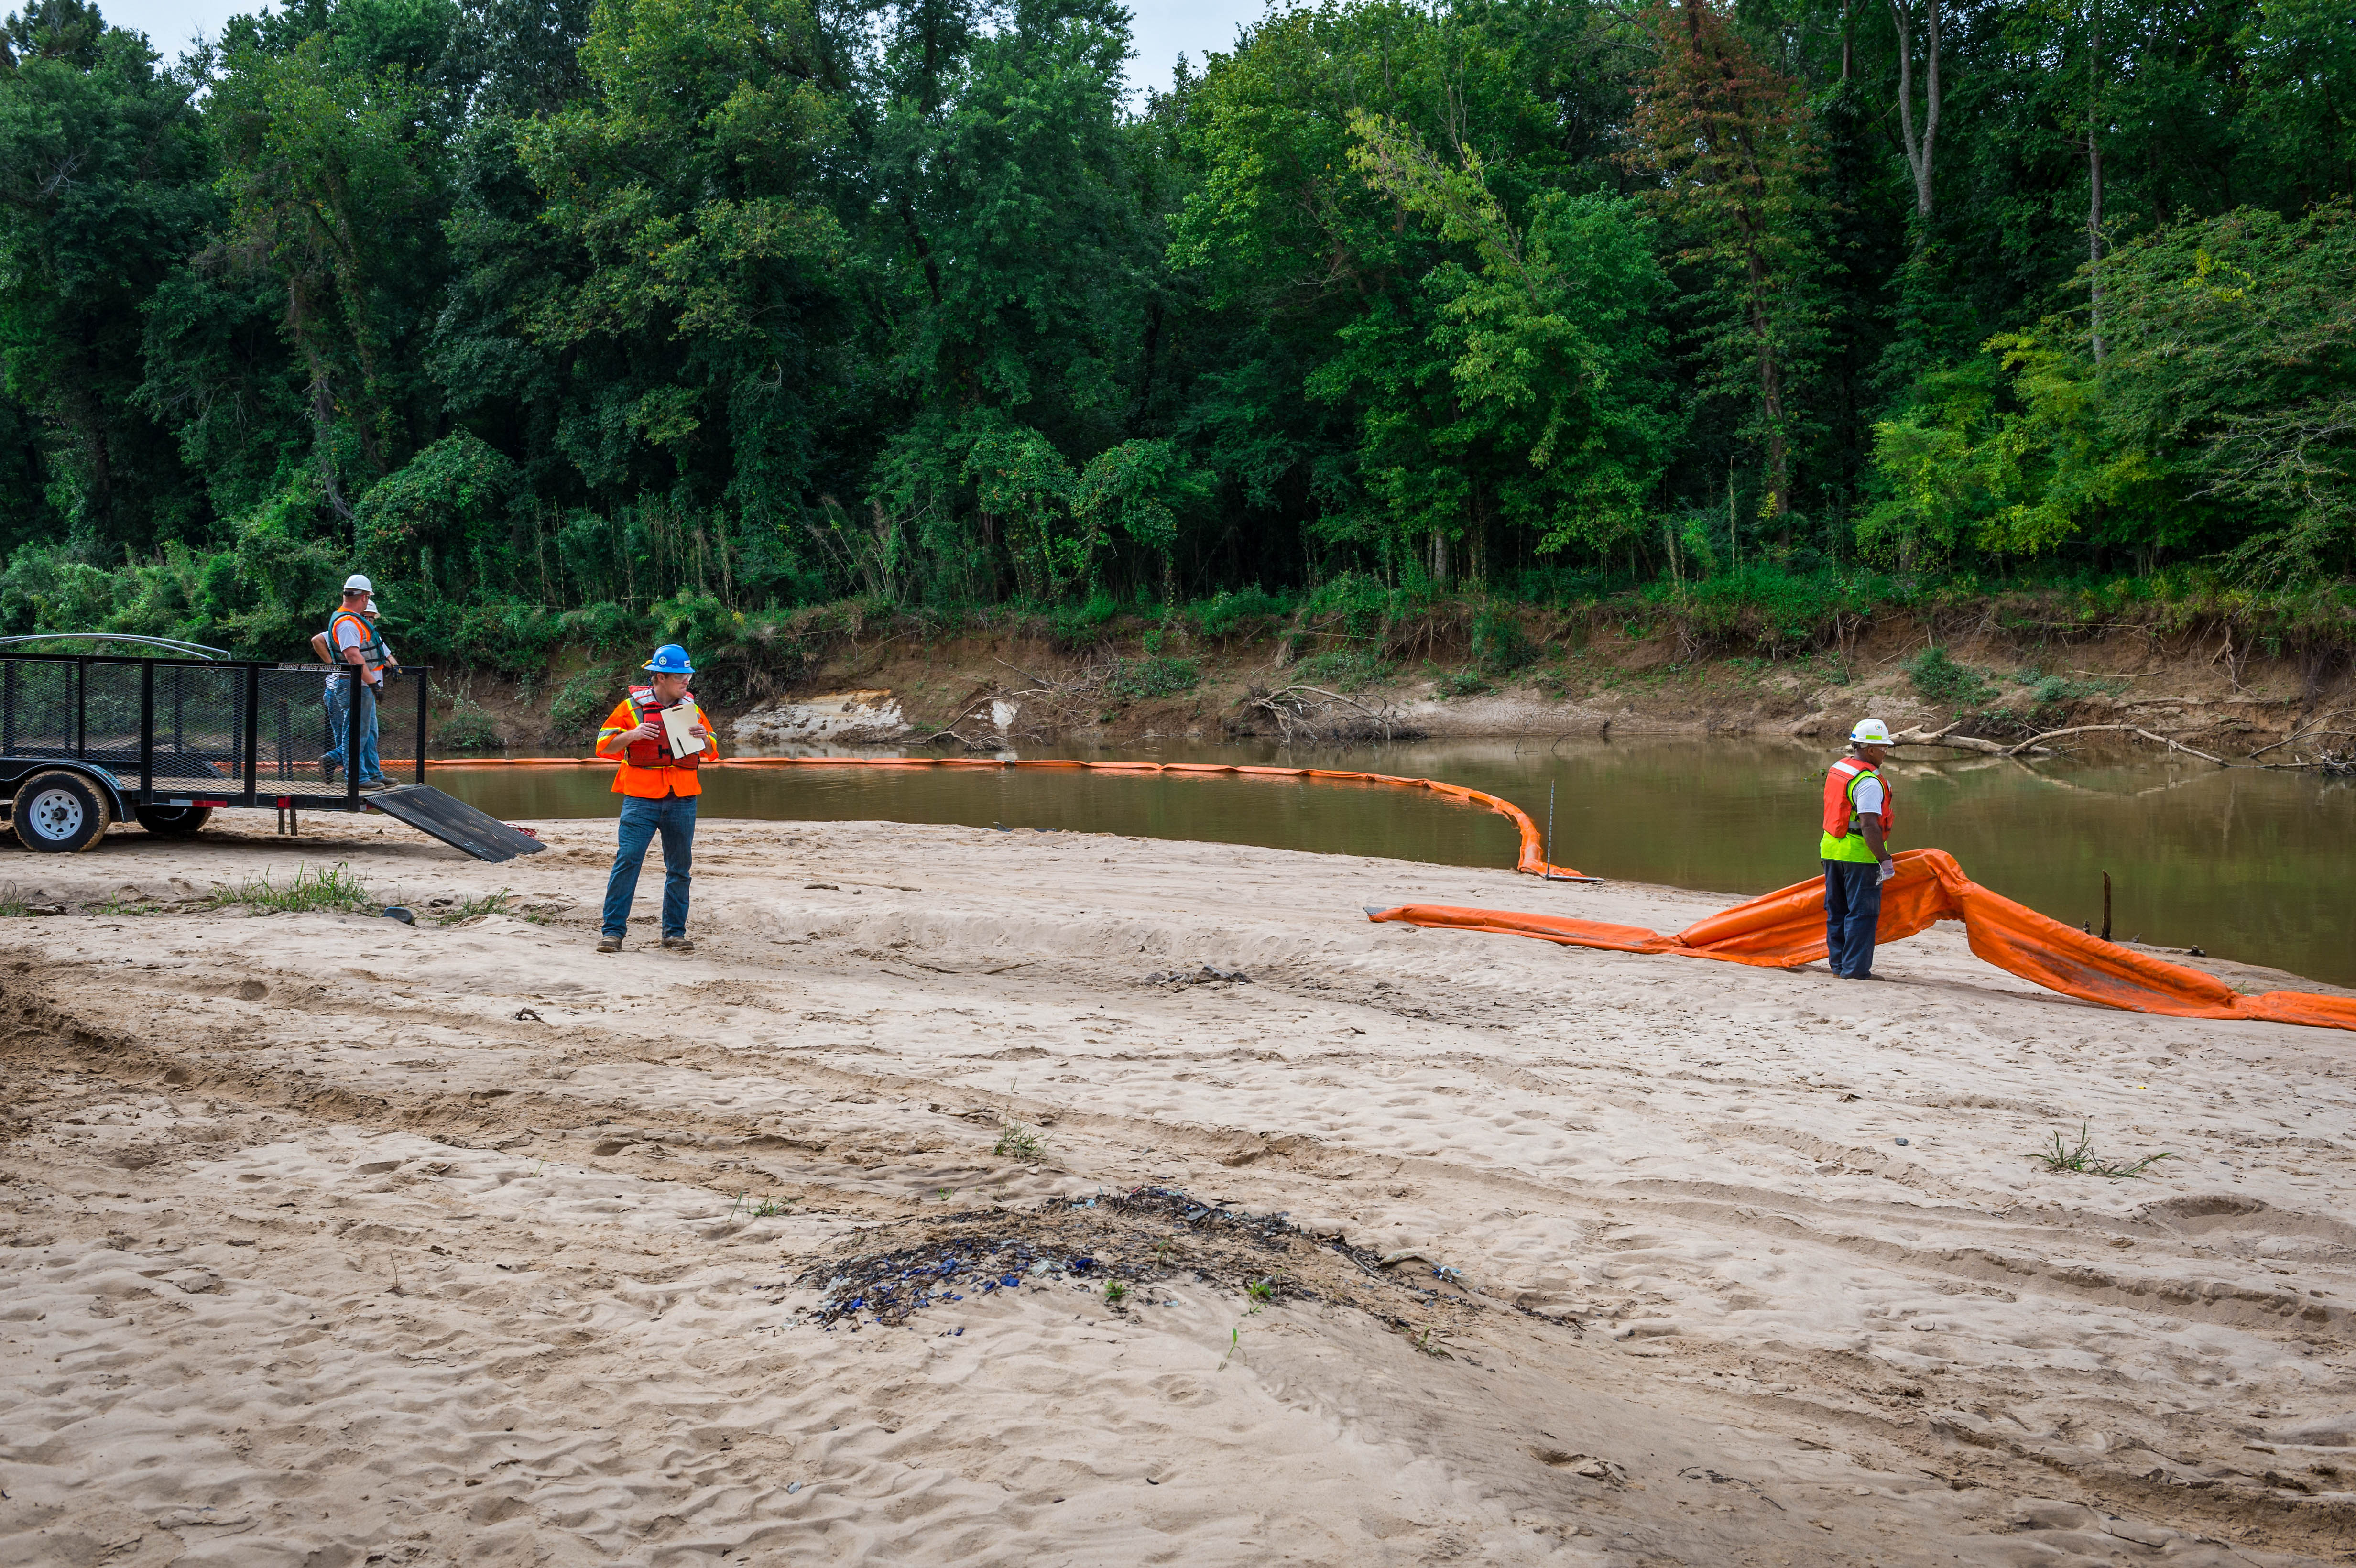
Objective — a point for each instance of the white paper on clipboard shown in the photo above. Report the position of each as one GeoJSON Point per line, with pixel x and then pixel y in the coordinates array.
{"type": "Point", "coordinates": [675, 722]}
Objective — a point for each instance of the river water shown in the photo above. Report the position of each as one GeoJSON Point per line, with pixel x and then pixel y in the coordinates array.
{"type": "Point", "coordinates": [2249, 865]}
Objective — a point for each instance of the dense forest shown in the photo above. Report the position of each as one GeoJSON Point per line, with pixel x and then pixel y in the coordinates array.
{"type": "Point", "coordinates": [576, 322]}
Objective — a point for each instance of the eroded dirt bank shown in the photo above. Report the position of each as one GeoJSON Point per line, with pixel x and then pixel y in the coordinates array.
{"type": "Point", "coordinates": [334, 1241]}
{"type": "Point", "coordinates": [985, 690]}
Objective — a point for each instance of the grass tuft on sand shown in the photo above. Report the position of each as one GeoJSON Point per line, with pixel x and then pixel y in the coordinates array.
{"type": "Point", "coordinates": [2083, 1160]}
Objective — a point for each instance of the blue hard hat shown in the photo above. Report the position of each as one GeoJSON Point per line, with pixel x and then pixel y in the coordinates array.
{"type": "Point", "coordinates": [671, 659]}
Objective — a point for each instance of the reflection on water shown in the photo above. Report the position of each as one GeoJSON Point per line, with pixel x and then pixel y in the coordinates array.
{"type": "Point", "coordinates": [2249, 865]}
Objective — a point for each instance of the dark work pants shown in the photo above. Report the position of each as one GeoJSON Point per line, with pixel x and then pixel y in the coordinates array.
{"type": "Point", "coordinates": [1852, 909]}
{"type": "Point", "coordinates": [673, 817]}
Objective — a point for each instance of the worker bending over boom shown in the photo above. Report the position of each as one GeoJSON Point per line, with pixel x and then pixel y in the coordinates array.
{"type": "Point", "coordinates": [1856, 850]}
{"type": "Point", "coordinates": [659, 786]}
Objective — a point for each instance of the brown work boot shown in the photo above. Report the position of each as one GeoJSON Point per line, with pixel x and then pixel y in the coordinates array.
{"type": "Point", "coordinates": [610, 944]}
{"type": "Point", "coordinates": [679, 943]}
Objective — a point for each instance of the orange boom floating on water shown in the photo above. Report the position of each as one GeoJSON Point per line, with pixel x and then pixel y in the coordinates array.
{"type": "Point", "coordinates": [1532, 859]}
{"type": "Point", "coordinates": [1786, 929]}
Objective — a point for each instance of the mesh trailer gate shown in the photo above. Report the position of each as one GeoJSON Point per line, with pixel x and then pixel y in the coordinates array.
{"type": "Point", "coordinates": [86, 739]}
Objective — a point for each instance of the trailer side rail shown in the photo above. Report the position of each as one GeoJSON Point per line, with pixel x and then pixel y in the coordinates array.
{"type": "Point", "coordinates": [185, 731]}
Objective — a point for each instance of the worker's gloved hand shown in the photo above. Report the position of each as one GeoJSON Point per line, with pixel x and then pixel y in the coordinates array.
{"type": "Point", "coordinates": [1888, 870]}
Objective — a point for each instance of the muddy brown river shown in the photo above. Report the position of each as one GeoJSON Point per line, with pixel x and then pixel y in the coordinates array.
{"type": "Point", "coordinates": [2248, 865]}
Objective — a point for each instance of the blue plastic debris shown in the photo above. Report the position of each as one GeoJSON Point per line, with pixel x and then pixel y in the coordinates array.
{"type": "Point", "coordinates": [1010, 1279]}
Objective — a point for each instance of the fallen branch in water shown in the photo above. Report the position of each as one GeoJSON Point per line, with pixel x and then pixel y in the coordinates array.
{"type": "Point", "coordinates": [1919, 737]}
{"type": "Point", "coordinates": [2325, 762]}
{"type": "Point", "coordinates": [2125, 729]}
{"type": "Point", "coordinates": [1291, 713]}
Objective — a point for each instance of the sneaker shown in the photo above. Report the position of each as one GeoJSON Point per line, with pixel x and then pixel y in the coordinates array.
{"type": "Point", "coordinates": [679, 943]}
{"type": "Point", "coordinates": [328, 773]}
{"type": "Point", "coordinates": [610, 944]}
{"type": "Point", "coordinates": [376, 784]}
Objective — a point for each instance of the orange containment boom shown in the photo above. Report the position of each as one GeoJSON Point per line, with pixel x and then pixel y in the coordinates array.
{"type": "Point", "coordinates": [1531, 861]}
{"type": "Point", "coordinates": [1784, 929]}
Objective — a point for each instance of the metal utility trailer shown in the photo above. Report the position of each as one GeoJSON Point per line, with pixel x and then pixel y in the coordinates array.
{"type": "Point", "coordinates": [87, 740]}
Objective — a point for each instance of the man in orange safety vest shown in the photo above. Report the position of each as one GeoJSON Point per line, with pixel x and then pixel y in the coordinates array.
{"type": "Point", "coordinates": [1856, 850]}
{"type": "Point", "coordinates": [659, 787]}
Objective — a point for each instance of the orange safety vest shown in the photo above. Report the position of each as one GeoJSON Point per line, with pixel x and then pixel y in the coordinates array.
{"type": "Point", "coordinates": [1840, 785]}
{"type": "Point", "coordinates": [372, 646]}
{"type": "Point", "coordinates": [648, 770]}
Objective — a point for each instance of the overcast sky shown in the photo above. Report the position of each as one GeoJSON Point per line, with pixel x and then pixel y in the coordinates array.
{"type": "Point", "coordinates": [1165, 28]}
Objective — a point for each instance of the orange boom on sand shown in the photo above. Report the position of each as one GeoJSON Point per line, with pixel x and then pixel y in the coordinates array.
{"type": "Point", "coordinates": [1786, 929]}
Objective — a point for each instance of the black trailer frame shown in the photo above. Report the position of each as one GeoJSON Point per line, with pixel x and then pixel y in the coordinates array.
{"type": "Point", "coordinates": [199, 725]}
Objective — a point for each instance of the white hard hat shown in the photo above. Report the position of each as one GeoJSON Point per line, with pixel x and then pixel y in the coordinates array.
{"type": "Point", "coordinates": [356, 583]}
{"type": "Point", "coordinates": [371, 607]}
{"type": "Point", "coordinates": [1869, 732]}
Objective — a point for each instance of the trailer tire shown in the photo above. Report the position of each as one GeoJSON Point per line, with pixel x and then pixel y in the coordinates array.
{"type": "Point", "coordinates": [60, 813]}
{"type": "Point", "coordinates": [173, 821]}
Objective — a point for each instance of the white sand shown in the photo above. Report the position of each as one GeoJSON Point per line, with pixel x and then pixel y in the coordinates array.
{"type": "Point", "coordinates": [333, 1240]}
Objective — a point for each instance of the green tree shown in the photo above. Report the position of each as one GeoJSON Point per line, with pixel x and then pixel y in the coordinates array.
{"type": "Point", "coordinates": [1729, 146]}
{"type": "Point", "coordinates": [2215, 420]}
{"type": "Point", "coordinates": [102, 195]}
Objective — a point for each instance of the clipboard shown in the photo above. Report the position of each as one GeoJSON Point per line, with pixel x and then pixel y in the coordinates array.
{"type": "Point", "coordinates": [676, 721]}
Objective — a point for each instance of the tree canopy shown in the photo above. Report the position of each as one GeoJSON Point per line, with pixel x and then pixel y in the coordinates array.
{"type": "Point", "coordinates": [745, 305]}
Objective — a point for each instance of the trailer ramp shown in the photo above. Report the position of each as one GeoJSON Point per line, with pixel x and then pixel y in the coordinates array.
{"type": "Point", "coordinates": [453, 822]}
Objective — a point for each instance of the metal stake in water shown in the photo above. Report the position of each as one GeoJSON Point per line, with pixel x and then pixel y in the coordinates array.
{"type": "Point", "coordinates": [1549, 849]}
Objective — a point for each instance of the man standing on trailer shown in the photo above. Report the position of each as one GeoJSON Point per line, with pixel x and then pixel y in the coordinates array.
{"type": "Point", "coordinates": [1856, 850]}
{"type": "Point", "coordinates": [351, 638]}
{"type": "Point", "coordinates": [659, 789]}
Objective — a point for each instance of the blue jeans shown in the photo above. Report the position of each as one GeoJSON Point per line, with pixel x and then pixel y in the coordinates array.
{"type": "Point", "coordinates": [674, 817]}
{"type": "Point", "coordinates": [369, 770]}
{"type": "Point", "coordinates": [1852, 909]}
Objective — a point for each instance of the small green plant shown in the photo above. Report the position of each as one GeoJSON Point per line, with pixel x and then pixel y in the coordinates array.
{"type": "Point", "coordinates": [769, 1209]}
{"type": "Point", "coordinates": [1235, 1343]}
{"type": "Point", "coordinates": [118, 903]}
{"type": "Point", "coordinates": [1261, 1293]}
{"type": "Point", "coordinates": [1016, 1141]}
{"type": "Point", "coordinates": [943, 1194]}
{"type": "Point", "coordinates": [490, 903]}
{"type": "Point", "coordinates": [1939, 678]}
{"type": "Point", "coordinates": [335, 891]}
{"type": "Point", "coordinates": [12, 905]}
{"type": "Point", "coordinates": [2086, 1162]}
{"type": "Point", "coordinates": [1115, 1293]}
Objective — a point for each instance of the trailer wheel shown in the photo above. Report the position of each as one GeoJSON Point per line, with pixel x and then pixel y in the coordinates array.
{"type": "Point", "coordinates": [173, 821]}
{"type": "Point", "coordinates": [61, 812]}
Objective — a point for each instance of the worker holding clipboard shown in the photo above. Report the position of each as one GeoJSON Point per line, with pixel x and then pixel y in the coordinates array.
{"type": "Point", "coordinates": [659, 737]}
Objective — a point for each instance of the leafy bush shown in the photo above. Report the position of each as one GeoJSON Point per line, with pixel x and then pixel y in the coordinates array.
{"type": "Point", "coordinates": [1219, 615]}
{"type": "Point", "coordinates": [1939, 678]}
{"type": "Point", "coordinates": [467, 727]}
{"type": "Point", "coordinates": [1072, 624]}
{"type": "Point", "coordinates": [1461, 683]}
{"type": "Point", "coordinates": [586, 698]}
{"type": "Point", "coordinates": [1499, 643]}
{"type": "Point", "coordinates": [1344, 669]}
{"type": "Point", "coordinates": [1141, 679]}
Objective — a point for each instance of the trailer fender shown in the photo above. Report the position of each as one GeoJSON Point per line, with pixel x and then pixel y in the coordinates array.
{"type": "Point", "coordinates": [14, 771]}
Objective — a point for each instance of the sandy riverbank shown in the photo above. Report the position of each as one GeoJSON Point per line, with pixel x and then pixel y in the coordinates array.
{"type": "Point", "coordinates": [333, 1240]}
